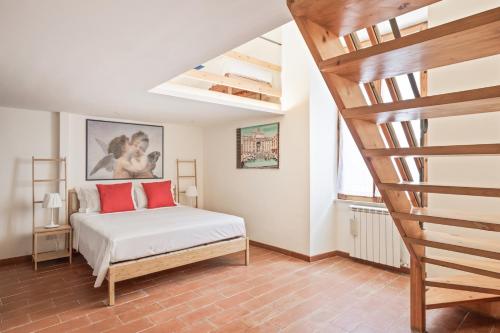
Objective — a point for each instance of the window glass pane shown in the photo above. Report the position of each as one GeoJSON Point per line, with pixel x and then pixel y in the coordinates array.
{"type": "Point", "coordinates": [413, 168]}
{"type": "Point", "coordinates": [365, 95]}
{"type": "Point", "coordinates": [405, 86]}
{"type": "Point", "coordinates": [415, 124]}
{"type": "Point", "coordinates": [400, 134]}
{"type": "Point", "coordinates": [354, 177]}
{"type": "Point", "coordinates": [386, 95]}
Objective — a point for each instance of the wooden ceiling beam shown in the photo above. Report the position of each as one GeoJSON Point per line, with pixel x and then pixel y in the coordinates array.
{"type": "Point", "coordinates": [251, 60]}
{"type": "Point", "coordinates": [240, 83]}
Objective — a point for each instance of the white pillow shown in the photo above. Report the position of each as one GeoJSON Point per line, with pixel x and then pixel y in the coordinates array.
{"type": "Point", "coordinates": [92, 199]}
{"type": "Point", "coordinates": [140, 198]}
{"type": "Point", "coordinates": [89, 199]}
{"type": "Point", "coordinates": [80, 193]}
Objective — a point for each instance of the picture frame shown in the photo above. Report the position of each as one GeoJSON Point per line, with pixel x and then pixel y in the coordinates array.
{"type": "Point", "coordinates": [123, 151]}
{"type": "Point", "coordinates": [257, 147]}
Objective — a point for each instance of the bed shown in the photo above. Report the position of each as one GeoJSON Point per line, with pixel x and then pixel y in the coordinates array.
{"type": "Point", "coordinates": [125, 245]}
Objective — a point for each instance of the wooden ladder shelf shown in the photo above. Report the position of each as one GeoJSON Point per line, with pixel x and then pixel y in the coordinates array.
{"type": "Point", "coordinates": [351, 74]}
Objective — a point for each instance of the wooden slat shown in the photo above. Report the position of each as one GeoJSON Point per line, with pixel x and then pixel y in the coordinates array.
{"type": "Point", "coordinates": [49, 159]}
{"type": "Point", "coordinates": [48, 180]}
{"type": "Point", "coordinates": [460, 103]}
{"type": "Point", "coordinates": [148, 265]}
{"type": "Point", "coordinates": [41, 201]}
{"type": "Point", "coordinates": [44, 256]}
{"type": "Point", "coordinates": [440, 298]}
{"type": "Point", "coordinates": [61, 228]}
{"type": "Point", "coordinates": [254, 61]}
{"type": "Point", "coordinates": [465, 39]}
{"type": "Point", "coordinates": [240, 83]}
{"type": "Point", "coordinates": [440, 240]}
{"type": "Point", "coordinates": [481, 149]}
{"type": "Point", "coordinates": [342, 17]}
{"type": "Point", "coordinates": [469, 282]}
{"type": "Point", "coordinates": [441, 189]}
{"type": "Point", "coordinates": [454, 218]}
{"type": "Point", "coordinates": [481, 267]}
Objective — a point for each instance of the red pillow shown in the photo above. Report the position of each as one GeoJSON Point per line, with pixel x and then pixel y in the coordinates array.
{"type": "Point", "coordinates": [115, 197]}
{"type": "Point", "coordinates": [159, 194]}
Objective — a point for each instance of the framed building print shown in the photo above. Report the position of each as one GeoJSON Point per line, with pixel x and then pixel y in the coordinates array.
{"type": "Point", "coordinates": [257, 147]}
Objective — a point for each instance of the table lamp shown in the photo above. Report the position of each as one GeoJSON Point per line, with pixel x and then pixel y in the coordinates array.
{"type": "Point", "coordinates": [52, 201]}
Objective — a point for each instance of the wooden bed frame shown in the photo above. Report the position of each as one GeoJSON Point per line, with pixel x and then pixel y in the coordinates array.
{"type": "Point", "coordinates": [134, 268]}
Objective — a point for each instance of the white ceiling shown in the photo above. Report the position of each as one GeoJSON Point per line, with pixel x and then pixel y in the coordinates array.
{"type": "Point", "coordinates": [100, 57]}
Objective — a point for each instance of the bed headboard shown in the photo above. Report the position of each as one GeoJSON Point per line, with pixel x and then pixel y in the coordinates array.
{"type": "Point", "coordinates": [74, 203]}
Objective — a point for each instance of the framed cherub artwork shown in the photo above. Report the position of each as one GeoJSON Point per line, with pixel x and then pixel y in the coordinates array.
{"type": "Point", "coordinates": [117, 150]}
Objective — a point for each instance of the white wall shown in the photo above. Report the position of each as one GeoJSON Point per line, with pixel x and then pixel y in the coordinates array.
{"type": "Point", "coordinates": [181, 142]}
{"type": "Point", "coordinates": [23, 133]}
{"type": "Point", "coordinates": [484, 128]}
{"type": "Point", "coordinates": [322, 164]}
{"type": "Point", "coordinates": [291, 208]}
{"type": "Point", "coordinates": [274, 203]}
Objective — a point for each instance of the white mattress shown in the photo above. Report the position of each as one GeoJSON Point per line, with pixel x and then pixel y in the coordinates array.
{"type": "Point", "coordinates": [109, 238]}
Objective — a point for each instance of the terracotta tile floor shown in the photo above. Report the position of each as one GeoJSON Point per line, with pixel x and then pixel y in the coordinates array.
{"type": "Point", "coordinates": [275, 293]}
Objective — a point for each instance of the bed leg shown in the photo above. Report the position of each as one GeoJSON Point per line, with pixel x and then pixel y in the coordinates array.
{"type": "Point", "coordinates": [247, 253]}
{"type": "Point", "coordinates": [111, 289]}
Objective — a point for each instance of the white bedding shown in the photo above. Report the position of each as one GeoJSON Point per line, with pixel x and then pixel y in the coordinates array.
{"type": "Point", "coordinates": [109, 238]}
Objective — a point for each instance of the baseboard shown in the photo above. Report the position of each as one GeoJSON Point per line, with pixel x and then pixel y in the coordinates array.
{"type": "Point", "coordinates": [281, 250]}
{"type": "Point", "coordinates": [294, 254]}
{"type": "Point", "coordinates": [322, 256]}
{"type": "Point", "coordinates": [405, 270]}
{"type": "Point", "coordinates": [327, 255]}
{"type": "Point", "coordinates": [14, 260]}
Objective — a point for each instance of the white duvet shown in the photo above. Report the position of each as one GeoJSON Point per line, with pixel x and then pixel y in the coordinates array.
{"type": "Point", "coordinates": [109, 238]}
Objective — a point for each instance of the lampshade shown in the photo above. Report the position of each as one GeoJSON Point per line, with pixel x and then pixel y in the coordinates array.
{"type": "Point", "coordinates": [191, 191]}
{"type": "Point", "coordinates": [52, 200]}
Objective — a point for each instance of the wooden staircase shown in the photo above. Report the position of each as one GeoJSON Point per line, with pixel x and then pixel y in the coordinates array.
{"type": "Point", "coordinates": [347, 73]}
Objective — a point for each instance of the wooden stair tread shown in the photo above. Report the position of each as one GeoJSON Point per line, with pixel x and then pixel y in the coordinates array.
{"type": "Point", "coordinates": [469, 282]}
{"type": "Point", "coordinates": [441, 297]}
{"type": "Point", "coordinates": [445, 241]}
{"type": "Point", "coordinates": [482, 100]}
{"type": "Point", "coordinates": [442, 189]}
{"type": "Point", "coordinates": [458, 41]}
{"type": "Point", "coordinates": [342, 17]}
{"type": "Point", "coordinates": [479, 149]}
{"type": "Point", "coordinates": [484, 267]}
{"type": "Point", "coordinates": [451, 217]}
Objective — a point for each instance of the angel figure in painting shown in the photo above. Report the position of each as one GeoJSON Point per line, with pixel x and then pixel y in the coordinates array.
{"type": "Point", "coordinates": [127, 158]}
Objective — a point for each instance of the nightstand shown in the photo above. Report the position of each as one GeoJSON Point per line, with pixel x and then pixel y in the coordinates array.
{"type": "Point", "coordinates": [64, 229]}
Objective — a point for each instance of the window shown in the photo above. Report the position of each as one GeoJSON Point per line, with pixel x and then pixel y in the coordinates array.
{"type": "Point", "coordinates": [354, 179]}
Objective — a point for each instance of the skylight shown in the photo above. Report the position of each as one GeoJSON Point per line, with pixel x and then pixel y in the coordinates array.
{"type": "Point", "coordinates": [248, 76]}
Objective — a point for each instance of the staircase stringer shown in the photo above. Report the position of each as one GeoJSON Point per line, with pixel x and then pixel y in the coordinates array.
{"type": "Point", "coordinates": [367, 135]}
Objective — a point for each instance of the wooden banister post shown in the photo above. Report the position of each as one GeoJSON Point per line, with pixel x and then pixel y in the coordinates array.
{"type": "Point", "coordinates": [417, 296]}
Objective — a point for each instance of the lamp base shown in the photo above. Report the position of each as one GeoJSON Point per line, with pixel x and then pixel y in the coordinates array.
{"type": "Point", "coordinates": [51, 225]}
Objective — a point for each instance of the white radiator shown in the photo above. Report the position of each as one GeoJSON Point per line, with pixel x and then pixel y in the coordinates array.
{"type": "Point", "coordinates": [375, 237]}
